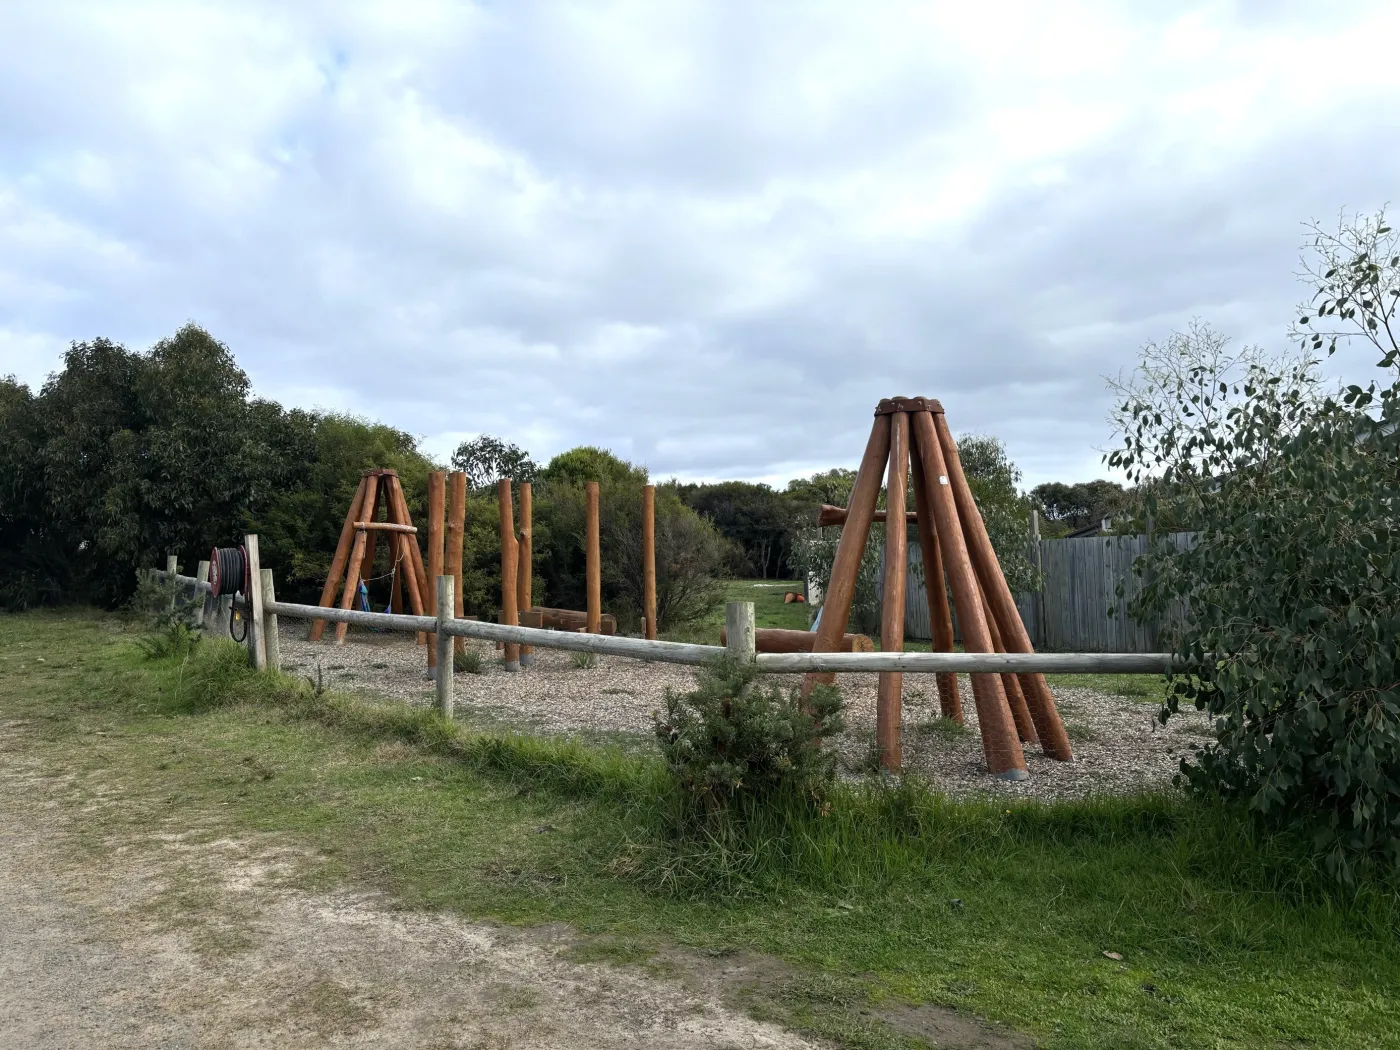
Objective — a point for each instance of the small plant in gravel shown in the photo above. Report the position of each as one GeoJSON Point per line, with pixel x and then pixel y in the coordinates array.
{"type": "Point", "coordinates": [583, 661]}
{"type": "Point", "coordinates": [468, 661]}
{"type": "Point", "coordinates": [732, 740]}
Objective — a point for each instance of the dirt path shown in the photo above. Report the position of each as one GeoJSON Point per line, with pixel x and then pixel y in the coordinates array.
{"type": "Point", "coordinates": [174, 942]}
{"type": "Point", "coordinates": [177, 940]}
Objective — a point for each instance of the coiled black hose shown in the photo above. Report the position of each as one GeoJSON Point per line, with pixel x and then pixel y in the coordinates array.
{"type": "Point", "coordinates": [228, 575]}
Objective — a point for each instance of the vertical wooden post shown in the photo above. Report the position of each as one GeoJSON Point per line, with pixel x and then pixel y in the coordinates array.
{"type": "Point", "coordinates": [257, 644]}
{"type": "Point", "coordinates": [649, 562]}
{"type": "Point", "coordinates": [524, 578]}
{"type": "Point", "coordinates": [357, 555]}
{"type": "Point", "coordinates": [207, 605]}
{"type": "Point", "coordinates": [1038, 560]}
{"type": "Point", "coordinates": [740, 636]}
{"type": "Point", "coordinates": [890, 689]}
{"type": "Point", "coordinates": [940, 618]}
{"type": "Point", "coordinates": [272, 645]}
{"type": "Point", "coordinates": [456, 537]}
{"type": "Point", "coordinates": [437, 507]}
{"type": "Point", "coordinates": [172, 566]}
{"type": "Point", "coordinates": [860, 512]}
{"type": "Point", "coordinates": [510, 560]}
{"type": "Point", "coordinates": [443, 645]}
{"type": "Point", "coordinates": [593, 561]}
{"type": "Point", "coordinates": [999, 741]}
{"type": "Point", "coordinates": [342, 552]}
{"type": "Point", "coordinates": [1054, 741]}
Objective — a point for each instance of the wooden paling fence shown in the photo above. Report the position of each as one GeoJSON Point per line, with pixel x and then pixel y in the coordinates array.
{"type": "Point", "coordinates": [1079, 608]}
{"type": "Point", "coordinates": [261, 610]}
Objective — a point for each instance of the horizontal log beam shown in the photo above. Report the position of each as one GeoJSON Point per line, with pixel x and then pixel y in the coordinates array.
{"type": "Point", "coordinates": [830, 515]}
{"type": "Point", "coordinates": [795, 663]}
{"type": "Point", "coordinates": [782, 640]}
{"type": "Point", "coordinates": [384, 526]}
{"type": "Point", "coordinates": [971, 663]}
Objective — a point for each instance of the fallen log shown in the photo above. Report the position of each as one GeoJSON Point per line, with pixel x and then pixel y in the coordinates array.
{"type": "Point", "coordinates": [781, 640]}
{"type": "Point", "coordinates": [830, 515]}
{"type": "Point", "coordinates": [565, 620]}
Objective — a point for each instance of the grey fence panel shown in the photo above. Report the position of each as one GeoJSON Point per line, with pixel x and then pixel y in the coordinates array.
{"type": "Point", "coordinates": [1079, 609]}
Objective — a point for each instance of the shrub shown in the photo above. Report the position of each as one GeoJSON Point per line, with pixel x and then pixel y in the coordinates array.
{"type": "Point", "coordinates": [583, 660]}
{"type": "Point", "coordinates": [1293, 588]}
{"type": "Point", "coordinates": [468, 661]}
{"type": "Point", "coordinates": [732, 740]}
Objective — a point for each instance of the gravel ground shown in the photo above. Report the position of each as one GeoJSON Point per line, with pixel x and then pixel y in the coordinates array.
{"type": "Point", "coordinates": [1118, 744]}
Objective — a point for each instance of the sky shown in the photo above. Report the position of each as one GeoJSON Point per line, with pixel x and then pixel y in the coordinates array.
{"type": "Point", "coordinates": [708, 235]}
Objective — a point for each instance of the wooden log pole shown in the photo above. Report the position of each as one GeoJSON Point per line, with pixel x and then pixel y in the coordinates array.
{"type": "Point", "coordinates": [593, 568]}
{"type": "Point", "coordinates": [342, 554]}
{"type": "Point", "coordinates": [1054, 741]}
{"type": "Point", "coordinates": [649, 562]}
{"type": "Point", "coordinates": [396, 507]}
{"type": "Point", "coordinates": [437, 510]}
{"type": "Point", "coordinates": [357, 555]}
{"type": "Point", "coordinates": [257, 642]}
{"type": "Point", "coordinates": [385, 526]}
{"type": "Point", "coordinates": [396, 593]}
{"type": "Point", "coordinates": [890, 690]}
{"type": "Point", "coordinates": [782, 640]}
{"type": "Point", "coordinates": [510, 561]}
{"type": "Point", "coordinates": [371, 531]}
{"type": "Point", "coordinates": [828, 516]}
{"type": "Point", "coordinates": [841, 589]}
{"type": "Point", "coordinates": [524, 575]}
{"type": "Point", "coordinates": [207, 605]}
{"type": "Point", "coordinates": [739, 631]}
{"type": "Point", "coordinates": [999, 740]}
{"type": "Point", "coordinates": [456, 538]}
{"type": "Point", "coordinates": [940, 617]}
{"type": "Point", "coordinates": [443, 645]}
{"type": "Point", "coordinates": [1015, 698]}
{"type": "Point", "coordinates": [273, 643]}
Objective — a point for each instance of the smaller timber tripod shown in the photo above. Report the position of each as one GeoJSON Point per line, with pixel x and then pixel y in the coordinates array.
{"type": "Point", "coordinates": [354, 554]}
{"type": "Point", "coordinates": [911, 432]}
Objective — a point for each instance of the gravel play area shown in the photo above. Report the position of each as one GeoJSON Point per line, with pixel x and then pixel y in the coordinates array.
{"type": "Point", "coordinates": [1118, 744]}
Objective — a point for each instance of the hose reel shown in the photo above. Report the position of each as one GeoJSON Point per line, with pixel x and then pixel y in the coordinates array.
{"type": "Point", "coordinates": [229, 575]}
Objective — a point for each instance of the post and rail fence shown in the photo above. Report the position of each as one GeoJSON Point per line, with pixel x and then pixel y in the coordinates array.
{"type": "Point", "coordinates": [261, 610]}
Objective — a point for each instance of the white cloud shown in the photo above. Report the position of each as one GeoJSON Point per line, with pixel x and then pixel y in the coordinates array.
{"type": "Point", "coordinates": [707, 235]}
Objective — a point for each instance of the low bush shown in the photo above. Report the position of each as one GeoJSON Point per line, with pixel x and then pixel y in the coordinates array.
{"type": "Point", "coordinates": [731, 740]}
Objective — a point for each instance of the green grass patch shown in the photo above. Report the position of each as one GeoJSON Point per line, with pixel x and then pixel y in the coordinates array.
{"type": "Point", "coordinates": [894, 895]}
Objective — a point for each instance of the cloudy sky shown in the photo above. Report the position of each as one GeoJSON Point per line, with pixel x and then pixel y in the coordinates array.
{"type": "Point", "coordinates": [706, 235]}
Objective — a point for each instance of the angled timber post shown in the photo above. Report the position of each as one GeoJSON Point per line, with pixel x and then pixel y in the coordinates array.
{"type": "Point", "coordinates": [891, 683]}
{"type": "Point", "coordinates": [342, 554]}
{"type": "Point", "coordinates": [940, 617]}
{"type": "Point", "coordinates": [1000, 743]}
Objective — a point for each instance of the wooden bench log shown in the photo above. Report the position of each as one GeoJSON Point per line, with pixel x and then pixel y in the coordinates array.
{"type": "Point", "coordinates": [780, 640]}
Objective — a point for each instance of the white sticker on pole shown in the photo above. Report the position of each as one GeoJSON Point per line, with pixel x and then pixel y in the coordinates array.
{"type": "Point", "coordinates": [943, 479]}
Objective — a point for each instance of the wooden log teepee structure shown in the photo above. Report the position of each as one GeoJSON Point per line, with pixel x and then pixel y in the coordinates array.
{"type": "Point", "coordinates": [911, 438]}
{"type": "Point", "coordinates": [354, 554]}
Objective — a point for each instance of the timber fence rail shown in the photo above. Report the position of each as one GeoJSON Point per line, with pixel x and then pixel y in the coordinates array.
{"type": "Point", "coordinates": [262, 610]}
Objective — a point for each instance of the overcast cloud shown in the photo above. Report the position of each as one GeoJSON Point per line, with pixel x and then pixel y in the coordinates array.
{"type": "Point", "coordinates": [709, 236]}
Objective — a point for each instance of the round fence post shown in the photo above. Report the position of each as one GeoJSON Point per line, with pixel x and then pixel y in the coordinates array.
{"type": "Point", "coordinates": [740, 640]}
{"type": "Point", "coordinates": [268, 628]}
{"type": "Point", "coordinates": [443, 641]}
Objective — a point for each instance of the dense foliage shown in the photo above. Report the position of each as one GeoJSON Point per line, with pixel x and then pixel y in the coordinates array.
{"type": "Point", "coordinates": [1293, 590]}
{"type": "Point", "coordinates": [1065, 508]}
{"type": "Point", "coordinates": [732, 739]}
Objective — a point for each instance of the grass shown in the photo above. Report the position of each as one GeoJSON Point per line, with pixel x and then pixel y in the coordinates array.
{"type": "Point", "coordinates": [768, 608]}
{"type": "Point", "coordinates": [896, 896]}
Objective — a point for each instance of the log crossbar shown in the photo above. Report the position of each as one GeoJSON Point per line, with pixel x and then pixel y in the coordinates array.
{"type": "Point", "coordinates": [781, 663]}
